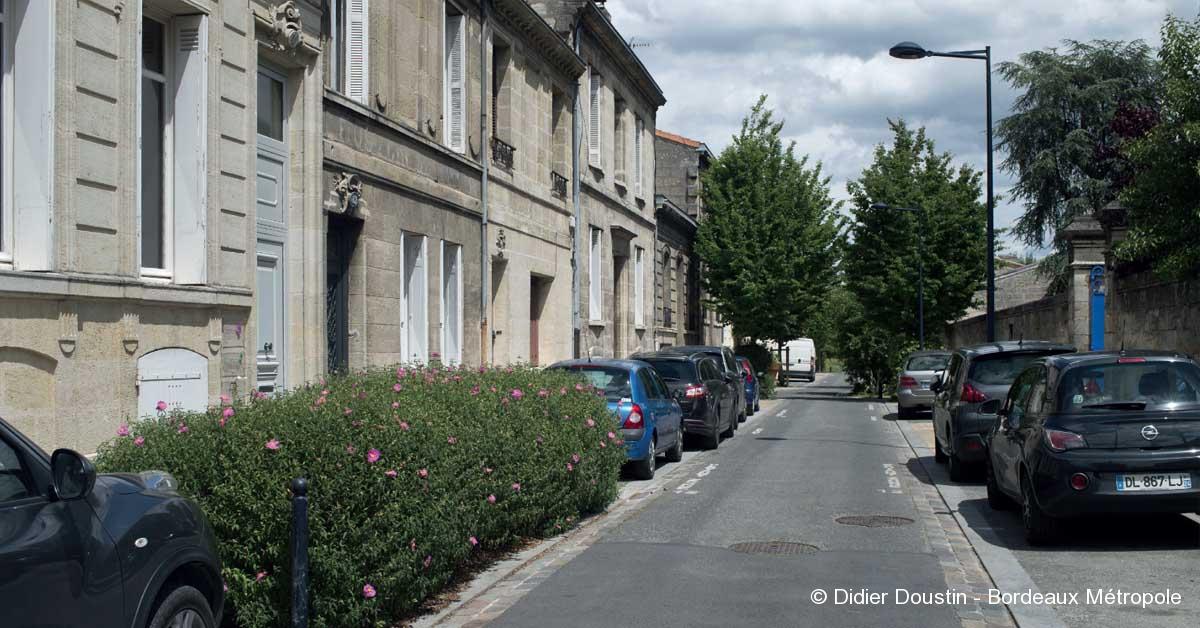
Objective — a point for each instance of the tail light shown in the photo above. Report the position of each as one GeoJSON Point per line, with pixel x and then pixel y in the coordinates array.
{"type": "Point", "coordinates": [634, 420]}
{"type": "Point", "coordinates": [1130, 360]}
{"type": "Point", "coordinates": [747, 377]}
{"type": "Point", "coordinates": [908, 382]}
{"type": "Point", "coordinates": [971, 394]}
{"type": "Point", "coordinates": [693, 391]}
{"type": "Point", "coordinates": [1079, 481]}
{"type": "Point", "coordinates": [1058, 440]}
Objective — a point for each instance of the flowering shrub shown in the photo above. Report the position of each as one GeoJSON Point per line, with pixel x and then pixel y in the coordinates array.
{"type": "Point", "coordinates": [412, 473]}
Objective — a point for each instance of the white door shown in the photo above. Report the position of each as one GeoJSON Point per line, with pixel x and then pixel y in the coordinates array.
{"type": "Point", "coordinates": [178, 377]}
{"type": "Point", "coordinates": [451, 303]}
{"type": "Point", "coordinates": [271, 204]}
{"type": "Point", "coordinates": [415, 300]}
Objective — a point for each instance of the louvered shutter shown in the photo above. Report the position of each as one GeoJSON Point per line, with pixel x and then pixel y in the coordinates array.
{"type": "Point", "coordinates": [190, 151]}
{"type": "Point", "coordinates": [455, 92]}
{"type": "Point", "coordinates": [594, 120]}
{"type": "Point", "coordinates": [357, 50]}
{"type": "Point", "coordinates": [637, 157]}
{"type": "Point", "coordinates": [33, 137]}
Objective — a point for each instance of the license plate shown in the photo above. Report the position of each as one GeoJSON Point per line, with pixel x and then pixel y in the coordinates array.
{"type": "Point", "coordinates": [1154, 482]}
{"type": "Point", "coordinates": [924, 385]}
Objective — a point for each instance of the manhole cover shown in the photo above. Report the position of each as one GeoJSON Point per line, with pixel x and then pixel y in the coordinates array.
{"type": "Point", "coordinates": [874, 521]}
{"type": "Point", "coordinates": [778, 548]}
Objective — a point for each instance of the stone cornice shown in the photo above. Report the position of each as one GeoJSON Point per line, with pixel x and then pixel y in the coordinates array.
{"type": "Point", "coordinates": [520, 15]}
{"type": "Point", "coordinates": [615, 45]}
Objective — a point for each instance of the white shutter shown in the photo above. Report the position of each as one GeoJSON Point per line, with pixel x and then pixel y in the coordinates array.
{"type": "Point", "coordinates": [357, 50]}
{"type": "Point", "coordinates": [637, 157]}
{"type": "Point", "coordinates": [190, 155]}
{"type": "Point", "coordinates": [455, 92]}
{"type": "Point", "coordinates": [33, 136]}
{"type": "Point", "coordinates": [594, 120]}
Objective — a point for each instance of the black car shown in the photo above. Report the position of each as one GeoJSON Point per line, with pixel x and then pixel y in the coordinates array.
{"type": "Point", "coordinates": [730, 370]}
{"type": "Point", "coordinates": [707, 399]}
{"type": "Point", "coordinates": [1096, 433]}
{"type": "Point", "coordinates": [77, 549]}
{"type": "Point", "coordinates": [974, 375]}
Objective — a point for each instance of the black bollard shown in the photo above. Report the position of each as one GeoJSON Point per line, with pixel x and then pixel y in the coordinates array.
{"type": "Point", "coordinates": [299, 553]}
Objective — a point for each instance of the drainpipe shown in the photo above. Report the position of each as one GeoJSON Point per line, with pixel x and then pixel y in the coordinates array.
{"type": "Point", "coordinates": [485, 284]}
{"type": "Point", "coordinates": [577, 244]}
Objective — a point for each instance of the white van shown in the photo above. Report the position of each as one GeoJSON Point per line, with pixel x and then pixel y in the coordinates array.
{"type": "Point", "coordinates": [799, 359]}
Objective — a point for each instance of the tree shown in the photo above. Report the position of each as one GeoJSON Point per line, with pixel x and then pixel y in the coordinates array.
{"type": "Point", "coordinates": [1163, 196]}
{"type": "Point", "coordinates": [1061, 143]}
{"type": "Point", "coordinates": [768, 239]}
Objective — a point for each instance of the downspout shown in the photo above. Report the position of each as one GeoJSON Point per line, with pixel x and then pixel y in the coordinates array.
{"type": "Point", "coordinates": [485, 259]}
{"type": "Point", "coordinates": [577, 244]}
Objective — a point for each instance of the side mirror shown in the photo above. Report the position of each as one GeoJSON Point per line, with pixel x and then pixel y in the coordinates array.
{"type": "Point", "coordinates": [72, 474]}
{"type": "Point", "coordinates": [936, 384]}
{"type": "Point", "coordinates": [991, 406]}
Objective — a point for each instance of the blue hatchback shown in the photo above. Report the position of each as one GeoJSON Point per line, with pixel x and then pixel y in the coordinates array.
{"type": "Point", "coordinates": [650, 418]}
{"type": "Point", "coordinates": [750, 380]}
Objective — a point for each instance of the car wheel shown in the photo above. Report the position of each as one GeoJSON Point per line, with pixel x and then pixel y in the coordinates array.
{"type": "Point", "coordinates": [1040, 528]}
{"type": "Point", "coordinates": [997, 500]}
{"type": "Point", "coordinates": [184, 607]}
{"type": "Point", "coordinates": [757, 406]}
{"type": "Point", "coordinates": [712, 441]}
{"type": "Point", "coordinates": [956, 468]}
{"type": "Point", "coordinates": [644, 469]}
{"type": "Point", "coordinates": [742, 417]}
{"type": "Point", "coordinates": [939, 454]}
{"type": "Point", "coordinates": [728, 433]}
{"type": "Point", "coordinates": [904, 413]}
{"type": "Point", "coordinates": [675, 453]}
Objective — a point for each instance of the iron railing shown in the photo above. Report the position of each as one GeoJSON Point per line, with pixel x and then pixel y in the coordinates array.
{"type": "Point", "coordinates": [502, 153]}
{"type": "Point", "coordinates": [558, 184]}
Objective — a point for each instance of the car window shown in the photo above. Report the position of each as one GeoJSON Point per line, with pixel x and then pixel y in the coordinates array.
{"type": "Point", "coordinates": [15, 480]}
{"type": "Point", "coordinates": [1002, 368]}
{"type": "Point", "coordinates": [1111, 387]}
{"type": "Point", "coordinates": [1033, 405]}
{"type": "Point", "coordinates": [647, 378]}
{"type": "Point", "coordinates": [730, 364]}
{"type": "Point", "coordinates": [926, 363]}
{"type": "Point", "coordinates": [1018, 395]}
{"type": "Point", "coordinates": [950, 376]}
{"type": "Point", "coordinates": [612, 380]}
{"type": "Point", "coordinates": [659, 385]}
{"type": "Point", "coordinates": [708, 369]}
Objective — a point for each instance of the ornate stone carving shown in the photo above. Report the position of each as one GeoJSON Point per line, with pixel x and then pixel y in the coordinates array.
{"type": "Point", "coordinates": [501, 244]}
{"type": "Point", "coordinates": [285, 25]}
{"type": "Point", "coordinates": [346, 196]}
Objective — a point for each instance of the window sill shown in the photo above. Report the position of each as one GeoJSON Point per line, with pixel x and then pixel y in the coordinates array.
{"type": "Point", "coordinates": [596, 323]}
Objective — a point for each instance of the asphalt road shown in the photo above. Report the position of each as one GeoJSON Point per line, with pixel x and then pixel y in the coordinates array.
{"type": "Point", "coordinates": [784, 477]}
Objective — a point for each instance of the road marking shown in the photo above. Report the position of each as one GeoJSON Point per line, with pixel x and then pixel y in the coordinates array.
{"type": "Point", "coordinates": [871, 407]}
{"type": "Point", "coordinates": [874, 418]}
{"type": "Point", "coordinates": [893, 481]}
{"type": "Point", "coordinates": [782, 412]}
{"type": "Point", "coordinates": [686, 487]}
{"type": "Point", "coordinates": [757, 431]}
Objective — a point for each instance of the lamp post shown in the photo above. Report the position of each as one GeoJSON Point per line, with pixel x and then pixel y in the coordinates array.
{"type": "Point", "coordinates": [920, 266]}
{"type": "Point", "coordinates": [911, 51]}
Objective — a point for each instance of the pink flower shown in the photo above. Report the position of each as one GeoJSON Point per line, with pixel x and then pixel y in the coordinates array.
{"type": "Point", "coordinates": [368, 591]}
{"type": "Point", "coordinates": [161, 406]}
{"type": "Point", "coordinates": [273, 444]}
{"type": "Point", "coordinates": [350, 449]}
{"type": "Point", "coordinates": [259, 576]}
{"type": "Point", "coordinates": [258, 394]}
{"type": "Point", "coordinates": [395, 404]}
{"type": "Point", "coordinates": [473, 541]}
{"type": "Point", "coordinates": [570, 467]}
{"type": "Point", "coordinates": [562, 391]}
{"type": "Point", "coordinates": [493, 389]}
{"type": "Point", "coordinates": [373, 455]}
{"type": "Point", "coordinates": [538, 440]}
{"type": "Point", "coordinates": [423, 473]}
{"type": "Point", "coordinates": [591, 423]}
{"type": "Point", "coordinates": [412, 544]}
{"type": "Point", "coordinates": [603, 445]}
{"type": "Point", "coordinates": [356, 423]}
{"type": "Point", "coordinates": [183, 428]}
{"type": "Point", "coordinates": [452, 440]}
{"type": "Point", "coordinates": [348, 412]}
{"type": "Point", "coordinates": [397, 387]}
{"type": "Point", "coordinates": [227, 412]}
{"type": "Point", "coordinates": [123, 430]}
{"type": "Point", "coordinates": [225, 399]}
{"type": "Point", "coordinates": [428, 561]}
{"type": "Point", "coordinates": [404, 425]}
{"type": "Point", "coordinates": [578, 387]}
{"type": "Point", "coordinates": [482, 369]}
{"type": "Point", "coordinates": [474, 391]}
{"type": "Point", "coordinates": [221, 422]}
{"type": "Point", "coordinates": [400, 372]}
{"type": "Point", "coordinates": [321, 400]}
{"type": "Point", "coordinates": [487, 470]}
{"type": "Point", "coordinates": [575, 458]}
{"type": "Point", "coordinates": [612, 436]}
{"type": "Point", "coordinates": [517, 394]}
{"type": "Point", "coordinates": [516, 487]}
{"type": "Point", "coordinates": [491, 499]}
{"type": "Point", "coordinates": [391, 473]}
{"type": "Point", "coordinates": [543, 393]}
{"type": "Point", "coordinates": [325, 392]}
{"type": "Point", "coordinates": [139, 441]}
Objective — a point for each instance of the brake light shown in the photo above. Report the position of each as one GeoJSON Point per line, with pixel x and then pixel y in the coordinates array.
{"type": "Point", "coordinates": [1130, 360]}
{"type": "Point", "coordinates": [634, 420]}
{"type": "Point", "coordinates": [747, 377]}
{"type": "Point", "coordinates": [971, 394]}
{"type": "Point", "coordinates": [1058, 440]}
{"type": "Point", "coordinates": [1079, 481]}
{"type": "Point", "coordinates": [693, 391]}
{"type": "Point", "coordinates": [908, 382]}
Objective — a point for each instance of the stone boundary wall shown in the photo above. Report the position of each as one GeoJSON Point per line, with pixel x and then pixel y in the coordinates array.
{"type": "Point", "coordinates": [1044, 319]}
{"type": "Point", "coordinates": [1144, 312]}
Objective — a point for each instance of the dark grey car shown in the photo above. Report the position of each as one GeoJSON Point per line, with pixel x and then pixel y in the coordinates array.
{"type": "Point", "coordinates": [974, 375]}
{"type": "Point", "coordinates": [732, 373]}
{"type": "Point", "coordinates": [78, 549]}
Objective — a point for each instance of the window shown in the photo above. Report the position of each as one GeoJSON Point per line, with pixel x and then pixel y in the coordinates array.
{"type": "Point", "coordinates": [595, 312]}
{"type": "Point", "coordinates": [501, 104]}
{"type": "Point", "coordinates": [638, 129]}
{"type": "Point", "coordinates": [172, 190]}
{"type": "Point", "coordinates": [639, 289]}
{"type": "Point", "coordinates": [15, 480]}
{"type": "Point", "coordinates": [612, 380]}
{"type": "Point", "coordinates": [451, 303]}
{"type": "Point", "coordinates": [453, 78]}
{"type": "Point", "coordinates": [350, 67]}
{"type": "Point", "coordinates": [619, 140]}
{"type": "Point", "coordinates": [594, 82]}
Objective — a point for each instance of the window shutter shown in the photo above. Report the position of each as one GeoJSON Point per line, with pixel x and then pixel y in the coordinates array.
{"type": "Point", "coordinates": [33, 137]}
{"type": "Point", "coordinates": [357, 50]}
{"type": "Point", "coordinates": [455, 105]}
{"type": "Point", "coordinates": [594, 120]}
{"type": "Point", "coordinates": [637, 157]}
{"type": "Point", "coordinates": [190, 195]}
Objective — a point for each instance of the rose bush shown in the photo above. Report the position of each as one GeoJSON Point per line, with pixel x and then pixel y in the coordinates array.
{"type": "Point", "coordinates": [412, 474]}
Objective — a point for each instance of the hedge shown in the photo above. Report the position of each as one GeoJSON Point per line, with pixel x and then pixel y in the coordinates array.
{"type": "Point", "coordinates": [413, 475]}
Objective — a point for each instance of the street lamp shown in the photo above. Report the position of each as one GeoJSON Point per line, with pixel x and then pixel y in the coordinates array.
{"type": "Point", "coordinates": [910, 51]}
{"type": "Point", "coordinates": [920, 266]}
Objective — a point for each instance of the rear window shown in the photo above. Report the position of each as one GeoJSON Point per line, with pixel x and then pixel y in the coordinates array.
{"type": "Point", "coordinates": [1129, 386]}
{"type": "Point", "coordinates": [1001, 369]}
{"type": "Point", "coordinates": [927, 363]}
{"type": "Point", "coordinates": [612, 381]}
{"type": "Point", "coordinates": [681, 370]}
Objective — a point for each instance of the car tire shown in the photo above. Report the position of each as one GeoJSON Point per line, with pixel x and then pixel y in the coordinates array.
{"type": "Point", "coordinates": [185, 605]}
{"type": "Point", "coordinates": [728, 433]}
{"type": "Point", "coordinates": [904, 413]}
{"type": "Point", "coordinates": [712, 441]}
{"type": "Point", "coordinates": [644, 469]}
{"type": "Point", "coordinates": [1040, 528]}
{"type": "Point", "coordinates": [996, 498]}
{"type": "Point", "coordinates": [742, 417]}
{"type": "Point", "coordinates": [757, 405]}
{"type": "Point", "coordinates": [675, 453]}
{"type": "Point", "coordinates": [939, 454]}
{"type": "Point", "coordinates": [956, 468]}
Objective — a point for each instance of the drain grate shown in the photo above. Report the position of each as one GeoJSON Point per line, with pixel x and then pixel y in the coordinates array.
{"type": "Point", "coordinates": [777, 548]}
{"type": "Point", "coordinates": [874, 521]}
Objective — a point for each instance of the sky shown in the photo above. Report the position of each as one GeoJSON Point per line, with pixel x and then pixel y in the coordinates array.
{"type": "Point", "coordinates": [825, 67]}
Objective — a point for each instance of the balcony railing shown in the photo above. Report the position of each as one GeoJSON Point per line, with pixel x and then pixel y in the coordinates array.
{"type": "Point", "coordinates": [502, 153]}
{"type": "Point", "coordinates": [558, 184]}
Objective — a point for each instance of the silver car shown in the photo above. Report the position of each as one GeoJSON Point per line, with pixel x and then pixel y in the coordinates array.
{"type": "Point", "coordinates": [912, 387]}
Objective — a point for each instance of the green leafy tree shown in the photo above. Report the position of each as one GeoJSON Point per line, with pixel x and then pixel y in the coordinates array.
{"type": "Point", "coordinates": [769, 236]}
{"type": "Point", "coordinates": [1164, 195]}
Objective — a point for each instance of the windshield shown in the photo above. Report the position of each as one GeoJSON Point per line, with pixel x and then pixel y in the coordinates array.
{"type": "Point", "coordinates": [613, 381]}
{"type": "Point", "coordinates": [1001, 369]}
{"type": "Point", "coordinates": [927, 362]}
{"type": "Point", "coordinates": [1130, 386]}
{"type": "Point", "coordinates": [680, 370]}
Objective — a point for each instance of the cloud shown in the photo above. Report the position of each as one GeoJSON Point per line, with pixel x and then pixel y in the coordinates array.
{"type": "Point", "coordinates": [825, 67]}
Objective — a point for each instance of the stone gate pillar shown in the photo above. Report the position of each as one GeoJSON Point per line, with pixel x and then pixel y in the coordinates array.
{"type": "Point", "coordinates": [1086, 245]}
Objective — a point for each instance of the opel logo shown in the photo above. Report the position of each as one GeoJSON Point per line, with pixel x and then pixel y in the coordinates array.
{"type": "Point", "coordinates": [1149, 432]}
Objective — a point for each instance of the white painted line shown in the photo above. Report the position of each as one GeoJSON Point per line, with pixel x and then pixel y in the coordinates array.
{"type": "Point", "coordinates": [782, 412]}
{"type": "Point", "coordinates": [893, 481]}
{"type": "Point", "coordinates": [874, 418]}
{"type": "Point", "coordinates": [686, 487]}
{"type": "Point", "coordinates": [871, 407]}
{"type": "Point", "coordinates": [757, 431]}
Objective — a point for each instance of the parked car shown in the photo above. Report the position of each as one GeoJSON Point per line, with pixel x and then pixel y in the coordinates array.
{"type": "Point", "coordinates": [799, 360]}
{"type": "Point", "coordinates": [650, 418]}
{"type": "Point", "coordinates": [81, 549]}
{"type": "Point", "coordinates": [974, 375]}
{"type": "Point", "coordinates": [913, 393]}
{"type": "Point", "coordinates": [727, 361]}
{"type": "Point", "coordinates": [750, 383]}
{"type": "Point", "coordinates": [1097, 433]}
{"type": "Point", "coordinates": [707, 400]}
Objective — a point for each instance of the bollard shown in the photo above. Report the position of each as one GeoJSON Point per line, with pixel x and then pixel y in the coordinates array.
{"type": "Point", "coordinates": [299, 553]}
